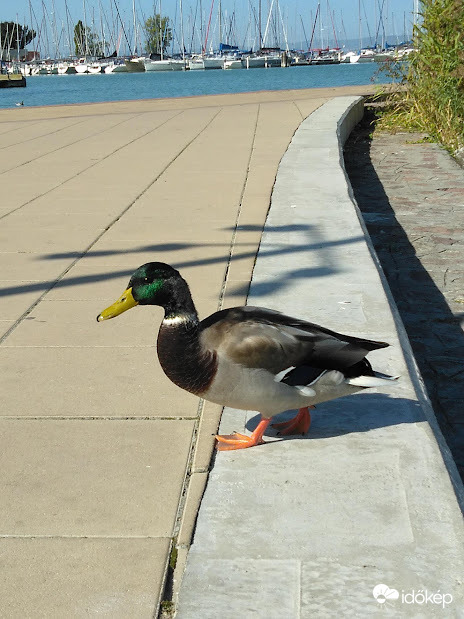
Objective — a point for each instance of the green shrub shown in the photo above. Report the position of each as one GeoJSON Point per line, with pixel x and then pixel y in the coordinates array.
{"type": "Point", "coordinates": [432, 97]}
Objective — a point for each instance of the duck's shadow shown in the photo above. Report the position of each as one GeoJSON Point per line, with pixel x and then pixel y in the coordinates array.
{"type": "Point", "coordinates": [357, 413]}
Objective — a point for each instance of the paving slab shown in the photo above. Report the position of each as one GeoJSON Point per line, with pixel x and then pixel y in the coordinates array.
{"type": "Point", "coordinates": [44, 148]}
{"type": "Point", "coordinates": [92, 478]}
{"type": "Point", "coordinates": [22, 133]}
{"type": "Point", "coordinates": [140, 388]}
{"type": "Point", "coordinates": [256, 592]}
{"type": "Point", "coordinates": [52, 578]}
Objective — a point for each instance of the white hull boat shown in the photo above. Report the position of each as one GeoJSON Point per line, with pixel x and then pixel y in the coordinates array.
{"type": "Point", "coordinates": [234, 63]}
{"type": "Point", "coordinates": [116, 67]}
{"type": "Point", "coordinates": [255, 62]}
{"type": "Point", "coordinates": [205, 62]}
{"type": "Point", "coordinates": [164, 65]}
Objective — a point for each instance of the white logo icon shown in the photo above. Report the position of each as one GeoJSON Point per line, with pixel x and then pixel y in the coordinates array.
{"type": "Point", "coordinates": [382, 594]}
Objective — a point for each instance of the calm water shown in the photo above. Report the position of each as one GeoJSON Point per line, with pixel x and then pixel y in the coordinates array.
{"type": "Point", "coordinates": [62, 89]}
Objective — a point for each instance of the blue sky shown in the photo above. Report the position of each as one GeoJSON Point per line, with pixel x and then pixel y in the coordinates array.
{"type": "Point", "coordinates": [292, 20]}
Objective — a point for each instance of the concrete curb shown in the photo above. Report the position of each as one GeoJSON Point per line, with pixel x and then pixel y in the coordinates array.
{"type": "Point", "coordinates": [302, 527]}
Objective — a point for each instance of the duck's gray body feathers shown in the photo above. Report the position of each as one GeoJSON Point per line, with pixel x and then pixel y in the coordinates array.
{"type": "Point", "coordinates": [258, 359]}
{"type": "Point", "coordinates": [262, 338]}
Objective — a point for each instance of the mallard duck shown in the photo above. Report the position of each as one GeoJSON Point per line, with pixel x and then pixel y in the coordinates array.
{"type": "Point", "coordinates": [249, 358]}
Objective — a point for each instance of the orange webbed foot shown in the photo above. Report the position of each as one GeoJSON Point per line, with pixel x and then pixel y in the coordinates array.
{"type": "Point", "coordinates": [229, 442]}
{"type": "Point", "coordinates": [298, 425]}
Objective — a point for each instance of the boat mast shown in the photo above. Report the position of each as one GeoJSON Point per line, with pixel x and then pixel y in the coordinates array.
{"type": "Point", "coordinates": [304, 33]}
{"type": "Point", "coordinates": [268, 22]}
{"type": "Point", "coordinates": [207, 29]}
{"type": "Point", "coordinates": [17, 37]}
{"type": "Point", "coordinates": [360, 28]}
{"type": "Point", "coordinates": [135, 27]}
{"type": "Point", "coordinates": [66, 8]}
{"type": "Point", "coordinates": [32, 23]}
{"type": "Point", "coordinates": [416, 13]}
{"type": "Point", "coordinates": [284, 30]}
{"type": "Point", "coordinates": [54, 32]}
{"type": "Point", "coordinates": [332, 18]}
{"type": "Point", "coordinates": [86, 48]}
{"type": "Point", "coordinates": [182, 29]}
{"type": "Point", "coordinates": [314, 27]}
{"type": "Point", "coordinates": [220, 21]}
{"type": "Point", "coordinates": [160, 31]}
{"type": "Point", "coordinates": [102, 31]}
{"type": "Point", "coordinates": [122, 26]}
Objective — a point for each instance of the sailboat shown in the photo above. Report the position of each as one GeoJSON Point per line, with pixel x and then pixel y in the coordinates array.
{"type": "Point", "coordinates": [323, 55]}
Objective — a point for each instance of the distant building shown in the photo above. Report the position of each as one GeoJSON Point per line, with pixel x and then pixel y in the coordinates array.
{"type": "Point", "coordinates": [23, 56]}
{"type": "Point", "coordinates": [32, 56]}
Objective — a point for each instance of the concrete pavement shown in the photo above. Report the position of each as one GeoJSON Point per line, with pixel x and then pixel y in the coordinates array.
{"type": "Point", "coordinates": [103, 460]}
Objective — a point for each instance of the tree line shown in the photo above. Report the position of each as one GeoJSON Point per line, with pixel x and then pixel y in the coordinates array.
{"type": "Point", "coordinates": [158, 35]}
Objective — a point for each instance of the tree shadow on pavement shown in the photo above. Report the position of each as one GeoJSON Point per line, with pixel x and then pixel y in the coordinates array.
{"type": "Point", "coordinates": [310, 242]}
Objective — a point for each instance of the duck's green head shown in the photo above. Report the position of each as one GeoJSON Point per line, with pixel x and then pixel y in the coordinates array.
{"type": "Point", "coordinates": [151, 284]}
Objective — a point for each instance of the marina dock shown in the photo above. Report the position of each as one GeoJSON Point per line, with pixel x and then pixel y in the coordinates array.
{"type": "Point", "coordinates": [12, 80]}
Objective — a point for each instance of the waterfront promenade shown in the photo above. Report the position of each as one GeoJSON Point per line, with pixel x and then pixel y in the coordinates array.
{"type": "Point", "coordinates": [104, 461]}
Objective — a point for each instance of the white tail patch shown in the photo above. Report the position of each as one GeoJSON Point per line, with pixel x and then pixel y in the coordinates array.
{"type": "Point", "coordinates": [306, 390]}
{"type": "Point", "coordinates": [278, 377]}
{"type": "Point", "coordinates": [329, 378]}
{"type": "Point", "coordinates": [368, 381]}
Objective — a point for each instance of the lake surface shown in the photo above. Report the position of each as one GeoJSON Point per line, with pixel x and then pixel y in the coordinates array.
{"type": "Point", "coordinates": [64, 89]}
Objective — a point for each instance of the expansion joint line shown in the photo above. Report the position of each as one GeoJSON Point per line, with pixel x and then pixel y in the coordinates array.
{"type": "Point", "coordinates": [298, 109]}
{"type": "Point", "coordinates": [239, 212]}
{"type": "Point", "coordinates": [103, 232]}
{"type": "Point", "coordinates": [37, 137]}
{"type": "Point", "coordinates": [201, 404]}
{"type": "Point", "coordinates": [30, 123]}
{"type": "Point", "coordinates": [92, 165]}
{"type": "Point", "coordinates": [56, 150]}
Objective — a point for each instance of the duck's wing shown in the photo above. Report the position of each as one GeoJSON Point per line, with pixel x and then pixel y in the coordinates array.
{"type": "Point", "coordinates": [260, 338]}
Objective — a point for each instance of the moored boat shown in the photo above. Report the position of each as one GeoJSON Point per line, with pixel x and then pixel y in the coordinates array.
{"type": "Point", "coordinates": [205, 62]}
{"type": "Point", "coordinates": [117, 66]}
{"type": "Point", "coordinates": [66, 68]}
{"type": "Point", "coordinates": [233, 63]}
{"type": "Point", "coordinates": [135, 65]}
{"type": "Point", "coordinates": [254, 62]}
{"type": "Point", "coordinates": [326, 56]}
{"type": "Point", "coordinates": [167, 64]}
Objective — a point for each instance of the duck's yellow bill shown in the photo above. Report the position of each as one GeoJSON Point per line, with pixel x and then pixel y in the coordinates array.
{"type": "Point", "coordinates": [125, 302]}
